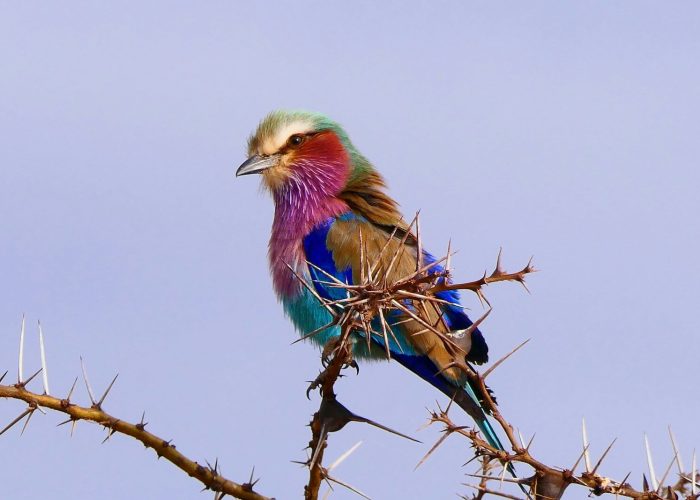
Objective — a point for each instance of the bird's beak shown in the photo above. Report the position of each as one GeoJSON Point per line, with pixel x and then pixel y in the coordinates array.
{"type": "Point", "coordinates": [256, 164]}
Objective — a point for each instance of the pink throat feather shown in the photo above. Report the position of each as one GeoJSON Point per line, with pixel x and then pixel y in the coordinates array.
{"type": "Point", "coordinates": [309, 197]}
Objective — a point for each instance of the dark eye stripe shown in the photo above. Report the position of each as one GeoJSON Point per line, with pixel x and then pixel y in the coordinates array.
{"type": "Point", "coordinates": [292, 145]}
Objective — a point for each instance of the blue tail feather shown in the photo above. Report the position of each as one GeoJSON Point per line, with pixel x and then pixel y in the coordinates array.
{"type": "Point", "coordinates": [465, 397]}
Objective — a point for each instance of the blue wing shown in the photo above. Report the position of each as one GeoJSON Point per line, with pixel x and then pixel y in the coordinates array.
{"type": "Point", "coordinates": [334, 248]}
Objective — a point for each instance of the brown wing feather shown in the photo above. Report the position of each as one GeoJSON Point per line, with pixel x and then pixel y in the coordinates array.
{"type": "Point", "coordinates": [365, 195]}
{"type": "Point", "coordinates": [344, 241]}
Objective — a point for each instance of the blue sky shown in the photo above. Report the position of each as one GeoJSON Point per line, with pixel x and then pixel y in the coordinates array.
{"type": "Point", "coordinates": [568, 131]}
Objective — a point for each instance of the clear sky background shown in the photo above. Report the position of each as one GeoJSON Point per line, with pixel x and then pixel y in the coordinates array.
{"type": "Point", "coordinates": [568, 131]}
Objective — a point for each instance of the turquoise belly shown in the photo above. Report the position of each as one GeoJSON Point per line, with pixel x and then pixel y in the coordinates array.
{"type": "Point", "coordinates": [308, 314]}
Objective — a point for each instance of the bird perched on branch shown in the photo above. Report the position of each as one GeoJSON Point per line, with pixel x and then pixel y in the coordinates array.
{"type": "Point", "coordinates": [331, 213]}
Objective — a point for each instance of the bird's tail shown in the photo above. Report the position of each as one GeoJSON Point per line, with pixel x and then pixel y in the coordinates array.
{"type": "Point", "coordinates": [466, 397]}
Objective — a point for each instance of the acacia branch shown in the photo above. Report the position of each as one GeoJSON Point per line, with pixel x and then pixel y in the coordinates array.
{"type": "Point", "coordinates": [208, 476]}
{"type": "Point", "coordinates": [550, 482]}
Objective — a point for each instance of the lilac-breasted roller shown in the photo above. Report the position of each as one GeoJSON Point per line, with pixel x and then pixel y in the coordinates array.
{"type": "Point", "coordinates": [327, 195]}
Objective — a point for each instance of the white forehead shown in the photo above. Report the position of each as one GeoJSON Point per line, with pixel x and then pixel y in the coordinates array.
{"type": "Point", "coordinates": [273, 142]}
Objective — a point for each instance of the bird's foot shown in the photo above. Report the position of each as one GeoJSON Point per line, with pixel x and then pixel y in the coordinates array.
{"type": "Point", "coordinates": [336, 356]}
{"type": "Point", "coordinates": [317, 383]}
{"type": "Point", "coordinates": [335, 348]}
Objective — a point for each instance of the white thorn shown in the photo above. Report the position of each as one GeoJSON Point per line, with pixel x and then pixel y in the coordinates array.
{"type": "Point", "coordinates": [449, 255]}
{"type": "Point", "coordinates": [44, 369]}
{"type": "Point", "coordinates": [20, 369]}
{"type": "Point", "coordinates": [87, 384]}
{"type": "Point", "coordinates": [345, 455]}
{"type": "Point", "coordinates": [679, 462]}
{"type": "Point", "coordinates": [586, 456]}
{"type": "Point", "coordinates": [650, 463]}
{"type": "Point", "coordinates": [692, 473]}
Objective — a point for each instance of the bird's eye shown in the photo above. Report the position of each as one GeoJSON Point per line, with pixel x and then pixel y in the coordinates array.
{"type": "Point", "coordinates": [296, 140]}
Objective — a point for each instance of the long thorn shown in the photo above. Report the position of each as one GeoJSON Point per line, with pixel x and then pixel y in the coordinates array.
{"type": "Point", "coordinates": [679, 461]}
{"type": "Point", "coordinates": [64, 422]}
{"type": "Point", "coordinates": [31, 377]}
{"type": "Point", "coordinates": [498, 270]}
{"type": "Point", "coordinates": [665, 474]}
{"type": "Point", "coordinates": [20, 368]}
{"type": "Point", "coordinates": [344, 456]}
{"type": "Point", "coordinates": [578, 460]}
{"type": "Point", "coordinates": [70, 393]}
{"type": "Point", "coordinates": [109, 388]}
{"type": "Point", "coordinates": [316, 331]}
{"type": "Point", "coordinates": [497, 363]}
{"type": "Point", "coordinates": [422, 270]}
{"type": "Point", "coordinates": [383, 427]}
{"type": "Point", "coordinates": [363, 255]}
{"type": "Point", "coordinates": [334, 279]}
{"type": "Point", "coordinates": [45, 371]}
{"type": "Point", "coordinates": [522, 441]}
{"type": "Point", "coordinates": [348, 486]}
{"type": "Point", "coordinates": [9, 426]}
{"type": "Point", "coordinates": [602, 457]}
{"type": "Point", "coordinates": [401, 248]}
{"type": "Point", "coordinates": [431, 450]}
{"type": "Point", "coordinates": [529, 443]}
{"type": "Point", "coordinates": [449, 255]}
{"type": "Point", "coordinates": [693, 473]}
{"type": "Point", "coordinates": [375, 266]}
{"type": "Point", "coordinates": [419, 245]}
{"type": "Point", "coordinates": [26, 422]}
{"type": "Point", "coordinates": [506, 480]}
{"type": "Point", "coordinates": [143, 425]}
{"type": "Point", "coordinates": [310, 288]}
{"type": "Point", "coordinates": [87, 384]}
{"type": "Point", "coordinates": [110, 432]}
{"type": "Point", "coordinates": [418, 319]}
{"type": "Point", "coordinates": [384, 335]}
{"type": "Point", "coordinates": [650, 463]}
{"type": "Point", "coordinates": [485, 491]}
{"type": "Point", "coordinates": [586, 456]}
{"type": "Point", "coordinates": [624, 480]}
{"type": "Point", "coordinates": [319, 446]}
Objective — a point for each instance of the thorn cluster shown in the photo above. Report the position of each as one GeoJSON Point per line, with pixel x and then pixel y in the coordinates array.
{"type": "Point", "coordinates": [368, 311]}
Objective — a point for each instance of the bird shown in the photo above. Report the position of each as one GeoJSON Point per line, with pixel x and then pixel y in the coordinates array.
{"type": "Point", "coordinates": [330, 206]}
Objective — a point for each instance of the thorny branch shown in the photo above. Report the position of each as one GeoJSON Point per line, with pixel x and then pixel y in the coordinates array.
{"type": "Point", "coordinates": [208, 475]}
{"type": "Point", "coordinates": [550, 482]}
{"type": "Point", "coordinates": [332, 415]}
{"type": "Point", "coordinates": [375, 297]}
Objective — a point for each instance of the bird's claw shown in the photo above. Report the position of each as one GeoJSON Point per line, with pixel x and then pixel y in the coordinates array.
{"type": "Point", "coordinates": [316, 384]}
{"type": "Point", "coordinates": [331, 350]}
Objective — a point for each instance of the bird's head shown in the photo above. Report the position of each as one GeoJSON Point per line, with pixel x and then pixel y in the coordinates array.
{"type": "Point", "coordinates": [308, 163]}
{"type": "Point", "coordinates": [302, 149]}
